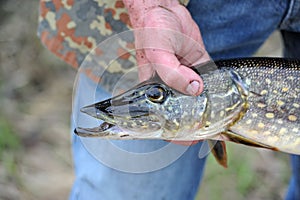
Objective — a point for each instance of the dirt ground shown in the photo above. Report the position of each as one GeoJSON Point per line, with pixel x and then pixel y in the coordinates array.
{"type": "Point", "coordinates": [36, 96]}
{"type": "Point", "coordinates": [35, 107]}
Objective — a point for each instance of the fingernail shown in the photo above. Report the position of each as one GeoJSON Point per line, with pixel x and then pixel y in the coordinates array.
{"type": "Point", "coordinates": [193, 88]}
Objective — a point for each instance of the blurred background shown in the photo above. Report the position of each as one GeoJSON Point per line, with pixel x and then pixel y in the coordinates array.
{"type": "Point", "coordinates": [35, 108]}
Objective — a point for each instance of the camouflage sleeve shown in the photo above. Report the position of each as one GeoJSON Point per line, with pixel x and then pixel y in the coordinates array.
{"type": "Point", "coordinates": [73, 29]}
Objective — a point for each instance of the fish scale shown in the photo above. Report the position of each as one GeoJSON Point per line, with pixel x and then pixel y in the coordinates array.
{"type": "Point", "coordinates": [271, 117]}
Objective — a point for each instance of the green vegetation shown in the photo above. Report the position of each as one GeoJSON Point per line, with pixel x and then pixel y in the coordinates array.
{"type": "Point", "coordinates": [10, 146]}
{"type": "Point", "coordinates": [249, 175]}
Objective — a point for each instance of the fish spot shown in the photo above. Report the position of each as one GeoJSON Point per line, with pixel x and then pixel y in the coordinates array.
{"type": "Point", "coordinates": [263, 92]}
{"type": "Point", "coordinates": [170, 108]}
{"type": "Point", "coordinates": [296, 105]}
{"type": "Point", "coordinates": [253, 132]}
{"type": "Point", "coordinates": [175, 121]}
{"type": "Point", "coordinates": [295, 130]}
{"type": "Point", "coordinates": [280, 103]}
{"type": "Point", "coordinates": [261, 125]}
{"type": "Point", "coordinates": [267, 133]}
{"type": "Point", "coordinates": [207, 124]}
{"type": "Point", "coordinates": [270, 115]}
{"type": "Point", "coordinates": [222, 113]}
{"type": "Point", "coordinates": [282, 131]}
{"type": "Point", "coordinates": [193, 112]}
{"type": "Point", "coordinates": [144, 126]}
{"type": "Point", "coordinates": [261, 105]}
{"type": "Point", "coordinates": [279, 121]}
{"type": "Point", "coordinates": [292, 118]}
{"type": "Point", "coordinates": [133, 124]}
{"type": "Point", "coordinates": [285, 89]}
{"type": "Point", "coordinates": [268, 81]}
{"type": "Point", "coordinates": [248, 82]}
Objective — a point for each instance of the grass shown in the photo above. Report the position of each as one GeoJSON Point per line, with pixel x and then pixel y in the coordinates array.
{"type": "Point", "coordinates": [10, 147]}
{"type": "Point", "coordinates": [244, 178]}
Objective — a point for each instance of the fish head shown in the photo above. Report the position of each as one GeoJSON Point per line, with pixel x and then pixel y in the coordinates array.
{"type": "Point", "coordinates": [151, 108]}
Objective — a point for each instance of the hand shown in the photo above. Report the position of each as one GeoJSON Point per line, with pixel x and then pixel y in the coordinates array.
{"type": "Point", "coordinates": [168, 42]}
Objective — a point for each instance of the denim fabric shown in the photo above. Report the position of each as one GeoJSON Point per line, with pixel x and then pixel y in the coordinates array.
{"type": "Point", "coordinates": [294, 187]}
{"type": "Point", "coordinates": [229, 29]}
{"type": "Point", "coordinates": [291, 21]}
{"type": "Point", "coordinates": [236, 28]}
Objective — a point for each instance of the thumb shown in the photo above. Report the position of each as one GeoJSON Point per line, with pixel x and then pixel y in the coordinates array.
{"type": "Point", "coordinates": [173, 73]}
{"type": "Point", "coordinates": [181, 78]}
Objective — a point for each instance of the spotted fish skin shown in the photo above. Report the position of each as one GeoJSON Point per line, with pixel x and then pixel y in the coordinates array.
{"type": "Point", "coordinates": [249, 100]}
{"type": "Point", "coordinates": [273, 113]}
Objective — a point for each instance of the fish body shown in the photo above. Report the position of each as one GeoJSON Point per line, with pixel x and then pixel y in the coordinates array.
{"type": "Point", "coordinates": [254, 101]}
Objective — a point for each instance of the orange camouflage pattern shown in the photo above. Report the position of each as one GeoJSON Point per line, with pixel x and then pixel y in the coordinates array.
{"type": "Point", "coordinates": [72, 30]}
{"type": "Point", "coordinates": [60, 22]}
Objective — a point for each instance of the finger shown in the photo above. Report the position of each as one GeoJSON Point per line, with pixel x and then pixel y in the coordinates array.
{"type": "Point", "coordinates": [198, 55]}
{"type": "Point", "coordinates": [192, 51]}
{"type": "Point", "coordinates": [175, 75]}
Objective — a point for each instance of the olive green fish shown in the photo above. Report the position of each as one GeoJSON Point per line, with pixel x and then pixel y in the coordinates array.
{"type": "Point", "coordinates": [253, 101]}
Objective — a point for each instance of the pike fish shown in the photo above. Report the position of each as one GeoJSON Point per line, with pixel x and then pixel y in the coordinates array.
{"type": "Point", "coordinates": [252, 101]}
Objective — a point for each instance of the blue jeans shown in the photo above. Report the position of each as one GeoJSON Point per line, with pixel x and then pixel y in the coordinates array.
{"type": "Point", "coordinates": [231, 29]}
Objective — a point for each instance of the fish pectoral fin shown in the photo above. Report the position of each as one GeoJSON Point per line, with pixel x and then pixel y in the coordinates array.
{"type": "Point", "coordinates": [218, 149]}
{"type": "Point", "coordinates": [233, 137]}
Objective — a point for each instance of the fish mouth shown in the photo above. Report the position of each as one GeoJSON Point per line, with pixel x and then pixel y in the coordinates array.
{"type": "Point", "coordinates": [98, 131]}
{"type": "Point", "coordinates": [121, 120]}
{"type": "Point", "coordinates": [128, 111]}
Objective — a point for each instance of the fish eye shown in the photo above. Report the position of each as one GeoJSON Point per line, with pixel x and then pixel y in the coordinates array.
{"type": "Point", "coordinates": [156, 94]}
